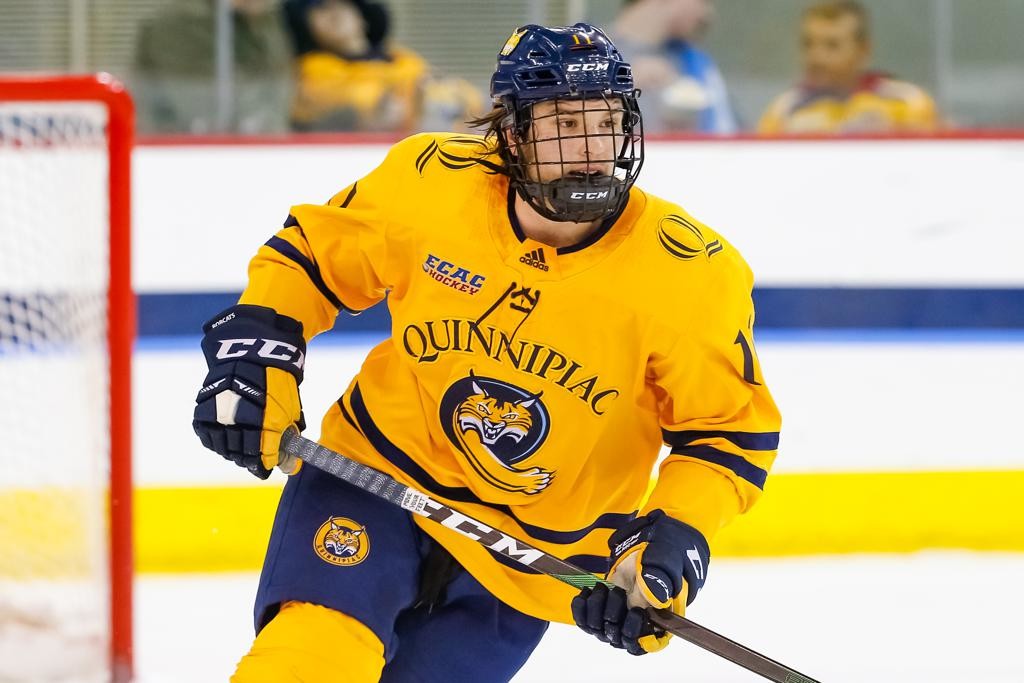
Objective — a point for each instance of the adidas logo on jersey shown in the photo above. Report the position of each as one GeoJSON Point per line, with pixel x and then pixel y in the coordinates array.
{"type": "Point", "coordinates": [535, 259]}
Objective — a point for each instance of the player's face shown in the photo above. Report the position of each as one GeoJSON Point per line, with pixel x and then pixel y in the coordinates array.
{"type": "Point", "coordinates": [832, 53]}
{"type": "Point", "coordinates": [581, 137]}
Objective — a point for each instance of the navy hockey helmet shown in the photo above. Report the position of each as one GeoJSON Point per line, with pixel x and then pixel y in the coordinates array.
{"type": "Point", "coordinates": [588, 175]}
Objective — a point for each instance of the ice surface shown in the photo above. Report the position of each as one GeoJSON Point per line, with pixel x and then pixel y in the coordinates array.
{"type": "Point", "coordinates": [942, 618]}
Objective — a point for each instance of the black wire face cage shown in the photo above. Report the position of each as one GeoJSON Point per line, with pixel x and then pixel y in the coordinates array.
{"type": "Point", "coordinates": [575, 158]}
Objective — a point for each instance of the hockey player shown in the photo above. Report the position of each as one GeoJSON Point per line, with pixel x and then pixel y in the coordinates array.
{"type": "Point", "coordinates": [552, 326]}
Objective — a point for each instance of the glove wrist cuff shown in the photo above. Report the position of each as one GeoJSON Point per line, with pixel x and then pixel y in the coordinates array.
{"type": "Point", "coordinates": [257, 335]}
{"type": "Point", "coordinates": [674, 549]}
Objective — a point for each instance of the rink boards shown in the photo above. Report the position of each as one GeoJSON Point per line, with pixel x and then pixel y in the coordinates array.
{"type": "Point", "coordinates": [889, 273]}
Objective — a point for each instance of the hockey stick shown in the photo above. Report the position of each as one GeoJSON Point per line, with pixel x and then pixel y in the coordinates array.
{"type": "Point", "coordinates": [417, 502]}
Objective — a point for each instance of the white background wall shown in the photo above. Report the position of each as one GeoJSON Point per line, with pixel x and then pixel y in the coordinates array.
{"type": "Point", "coordinates": [867, 213]}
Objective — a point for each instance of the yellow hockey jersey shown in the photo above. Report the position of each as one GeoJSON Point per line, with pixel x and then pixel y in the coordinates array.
{"type": "Point", "coordinates": [527, 386]}
{"type": "Point", "coordinates": [878, 105]}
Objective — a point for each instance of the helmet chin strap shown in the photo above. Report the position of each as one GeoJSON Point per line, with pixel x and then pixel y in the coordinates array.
{"type": "Point", "coordinates": [574, 199]}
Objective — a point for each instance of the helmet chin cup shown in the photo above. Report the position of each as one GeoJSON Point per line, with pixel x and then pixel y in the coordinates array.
{"type": "Point", "coordinates": [575, 199]}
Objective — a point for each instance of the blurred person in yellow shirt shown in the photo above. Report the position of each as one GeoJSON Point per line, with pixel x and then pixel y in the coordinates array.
{"type": "Point", "coordinates": [349, 78]}
{"type": "Point", "coordinates": [839, 94]}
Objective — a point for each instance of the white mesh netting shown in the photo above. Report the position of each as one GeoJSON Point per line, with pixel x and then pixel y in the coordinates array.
{"type": "Point", "coordinates": [54, 585]}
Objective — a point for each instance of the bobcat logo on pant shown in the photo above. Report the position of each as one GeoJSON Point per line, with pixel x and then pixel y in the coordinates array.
{"type": "Point", "coordinates": [497, 426]}
{"type": "Point", "coordinates": [341, 541]}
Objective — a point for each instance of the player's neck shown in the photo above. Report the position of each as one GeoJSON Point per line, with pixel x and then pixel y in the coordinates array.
{"type": "Point", "coordinates": [555, 234]}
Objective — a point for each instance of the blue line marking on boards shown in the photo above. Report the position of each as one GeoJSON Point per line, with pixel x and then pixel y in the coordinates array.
{"type": "Point", "coordinates": [849, 309]}
{"type": "Point", "coordinates": [190, 342]}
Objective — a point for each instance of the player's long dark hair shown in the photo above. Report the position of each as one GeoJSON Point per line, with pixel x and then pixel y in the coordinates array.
{"type": "Point", "coordinates": [490, 124]}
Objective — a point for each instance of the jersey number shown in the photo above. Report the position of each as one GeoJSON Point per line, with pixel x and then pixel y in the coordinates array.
{"type": "Point", "coordinates": [748, 358]}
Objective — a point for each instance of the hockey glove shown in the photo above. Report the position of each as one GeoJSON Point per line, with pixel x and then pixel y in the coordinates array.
{"type": "Point", "coordinates": [656, 561]}
{"type": "Point", "coordinates": [251, 393]}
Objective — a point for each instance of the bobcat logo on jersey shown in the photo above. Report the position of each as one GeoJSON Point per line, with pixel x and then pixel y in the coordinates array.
{"type": "Point", "coordinates": [497, 426]}
{"type": "Point", "coordinates": [341, 541]}
{"type": "Point", "coordinates": [684, 240]}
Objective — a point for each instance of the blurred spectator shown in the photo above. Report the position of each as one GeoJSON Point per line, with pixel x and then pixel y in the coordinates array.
{"type": "Point", "coordinates": [449, 103]}
{"type": "Point", "coordinates": [175, 69]}
{"type": "Point", "coordinates": [682, 87]}
{"type": "Point", "coordinates": [838, 94]}
{"type": "Point", "coordinates": [349, 77]}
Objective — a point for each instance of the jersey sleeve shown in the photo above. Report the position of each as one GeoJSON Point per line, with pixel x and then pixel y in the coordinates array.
{"type": "Point", "coordinates": [335, 257]}
{"type": "Point", "coordinates": [716, 412]}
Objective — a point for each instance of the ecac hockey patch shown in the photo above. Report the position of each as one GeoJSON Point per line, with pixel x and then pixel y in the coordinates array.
{"type": "Point", "coordinates": [450, 275]}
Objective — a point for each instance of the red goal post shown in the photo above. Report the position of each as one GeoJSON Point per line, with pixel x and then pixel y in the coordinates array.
{"type": "Point", "coordinates": [38, 92]}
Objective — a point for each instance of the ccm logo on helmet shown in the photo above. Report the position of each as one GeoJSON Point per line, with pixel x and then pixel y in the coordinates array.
{"type": "Point", "coordinates": [588, 195]}
{"type": "Point", "coordinates": [268, 348]}
{"type": "Point", "coordinates": [596, 66]}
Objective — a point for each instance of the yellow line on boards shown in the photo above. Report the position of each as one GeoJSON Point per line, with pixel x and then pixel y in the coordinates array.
{"type": "Point", "coordinates": [809, 514]}
{"type": "Point", "coordinates": [203, 529]}
{"type": "Point", "coordinates": [52, 532]}
{"type": "Point", "coordinates": [226, 529]}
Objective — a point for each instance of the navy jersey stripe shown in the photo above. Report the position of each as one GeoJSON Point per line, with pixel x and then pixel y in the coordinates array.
{"type": "Point", "coordinates": [595, 564]}
{"type": "Point", "coordinates": [425, 156]}
{"type": "Point", "coordinates": [401, 460]}
{"type": "Point", "coordinates": [513, 219]}
{"type": "Point", "coordinates": [802, 315]}
{"type": "Point", "coordinates": [351, 195]}
{"type": "Point", "coordinates": [347, 416]}
{"type": "Point", "coordinates": [748, 441]}
{"type": "Point", "coordinates": [742, 468]}
{"type": "Point", "coordinates": [289, 251]}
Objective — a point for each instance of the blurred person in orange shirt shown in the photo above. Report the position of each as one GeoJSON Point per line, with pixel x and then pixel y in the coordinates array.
{"type": "Point", "coordinates": [839, 94]}
{"type": "Point", "coordinates": [349, 78]}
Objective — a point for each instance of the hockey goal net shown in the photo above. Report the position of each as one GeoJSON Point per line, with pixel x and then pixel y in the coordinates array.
{"type": "Point", "coordinates": [66, 327]}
